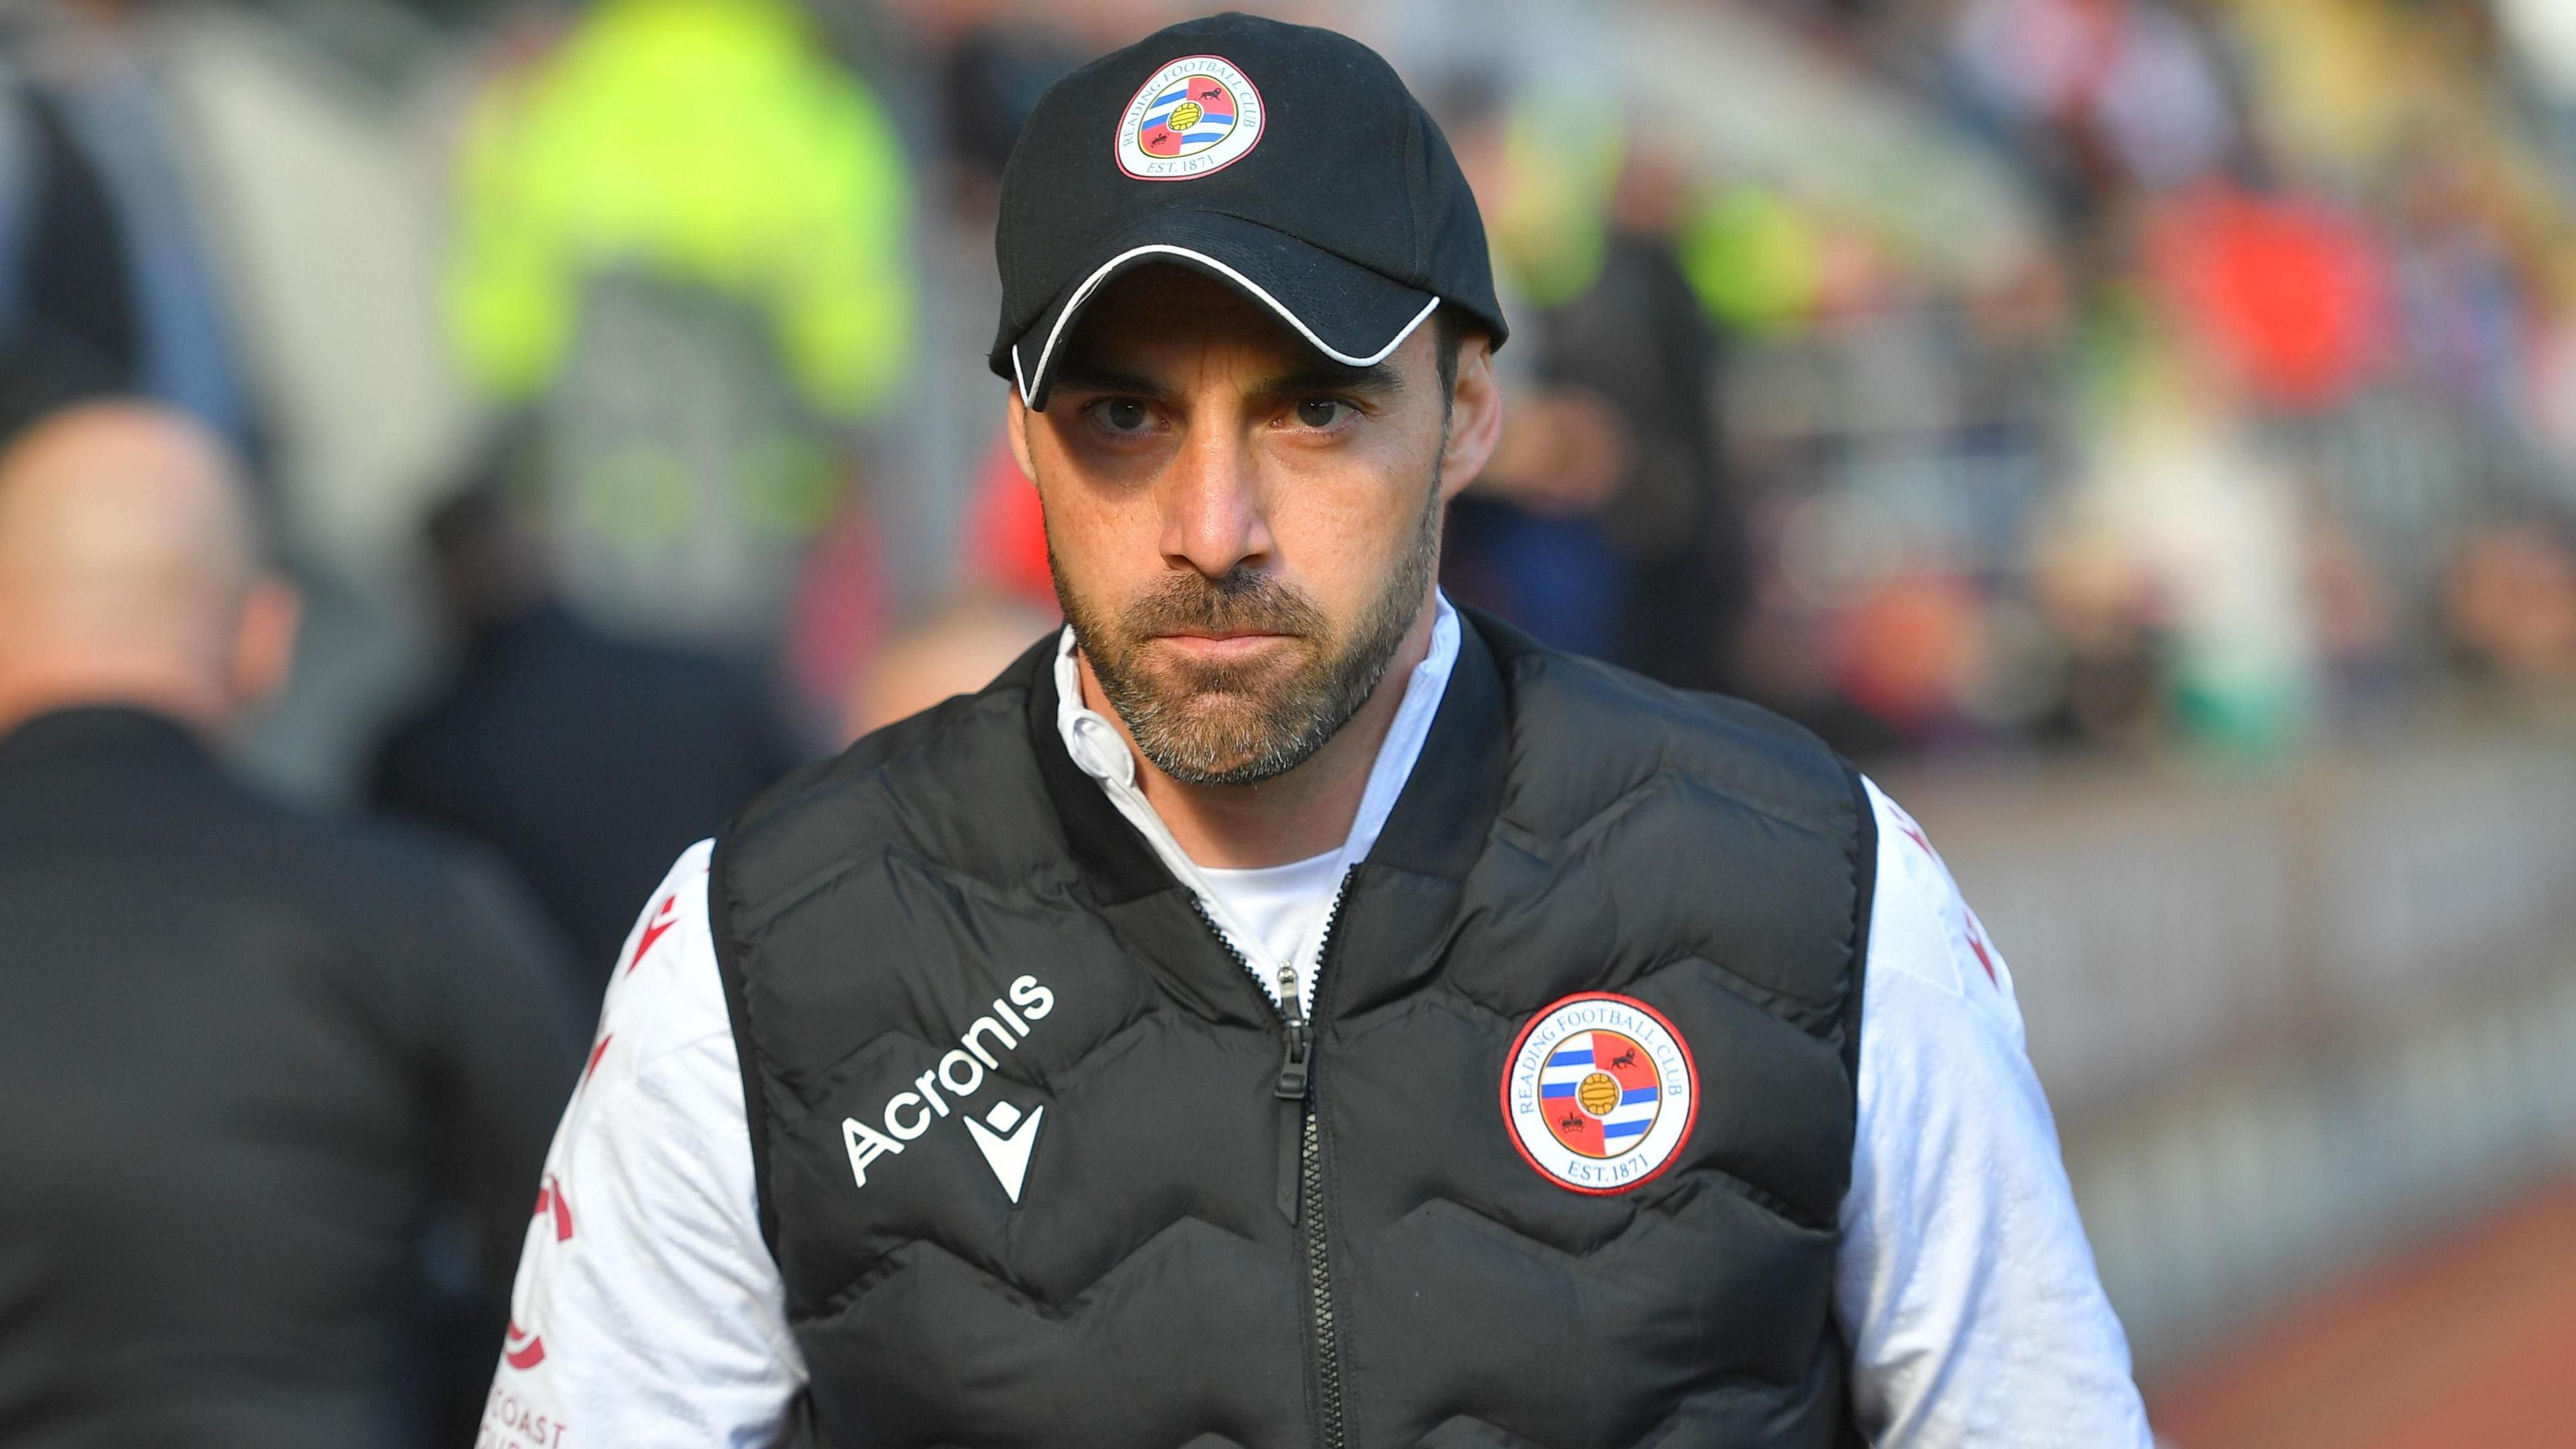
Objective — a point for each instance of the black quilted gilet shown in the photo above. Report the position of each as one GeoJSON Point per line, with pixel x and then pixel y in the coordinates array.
{"type": "Point", "coordinates": [946, 953]}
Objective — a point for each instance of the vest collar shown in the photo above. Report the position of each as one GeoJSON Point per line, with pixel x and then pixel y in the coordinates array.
{"type": "Point", "coordinates": [1440, 822]}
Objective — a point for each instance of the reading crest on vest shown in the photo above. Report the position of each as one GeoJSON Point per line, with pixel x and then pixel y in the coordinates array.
{"type": "Point", "coordinates": [1600, 1093]}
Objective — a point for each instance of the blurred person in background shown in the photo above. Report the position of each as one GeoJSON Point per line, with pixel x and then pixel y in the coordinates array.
{"type": "Point", "coordinates": [2509, 603]}
{"type": "Point", "coordinates": [1605, 523]}
{"type": "Point", "coordinates": [244, 1054]}
{"type": "Point", "coordinates": [958, 649]}
{"type": "Point", "coordinates": [682, 244]}
{"type": "Point", "coordinates": [585, 759]}
{"type": "Point", "coordinates": [1637, 337]}
{"type": "Point", "coordinates": [105, 261]}
{"type": "Point", "coordinates": [1528, 540]}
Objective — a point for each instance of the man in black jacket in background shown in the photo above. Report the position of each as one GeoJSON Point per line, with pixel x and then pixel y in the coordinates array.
{"type": "Point", "coordinates": [240, 1051]}
{"type": "Point", "coordinates": [583, 759]}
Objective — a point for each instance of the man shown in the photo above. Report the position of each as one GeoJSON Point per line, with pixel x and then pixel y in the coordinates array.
{"type": "Point", "coordinates": [239, 1050]}
{"type": "Point", "coordinates": [682, 241]}
{"type": "Point", "coordinates": [1283, 1010]}
{"type": "Point", "coordinates": [107, 260]}
{"type": "Point", "coordinates": [538, 745]}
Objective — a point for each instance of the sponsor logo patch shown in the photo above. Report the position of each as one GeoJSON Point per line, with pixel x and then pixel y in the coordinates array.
{"type": "Point", "coordinates": [1195, 116]}
{"type": "Point", "coordinates": [1599, 1093]}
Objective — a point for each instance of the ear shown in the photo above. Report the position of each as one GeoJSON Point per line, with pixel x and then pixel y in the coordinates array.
{"type": "Point", "coordinates": [1475, 418]}
{"type": "Point", "coordinates": [264, 641]}
{"type": "Point", "coordinates": [1015, 426]}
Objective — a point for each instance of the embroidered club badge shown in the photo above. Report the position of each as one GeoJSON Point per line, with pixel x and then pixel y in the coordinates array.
{"type": "Point", "coordinates": [1195, 116]}
{"type": "Point", "coordinates": [1599, 1093]}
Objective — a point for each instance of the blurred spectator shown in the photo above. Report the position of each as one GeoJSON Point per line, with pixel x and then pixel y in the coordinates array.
{"type": "Point", "coordinates": [1527, 540]}
{"type": "Point", "coordinates": [105, 265]}
{"type": "Point", "coordinates": [243, 1050]}
{"type": "Point", "coordinates": [2208, 538]}
{"type": "Point", "coordinates": [2287, 295]}
{"type": "Point", "coordinates": [2509, 604]}
{"type": "Point", "coordinates": [1755, 260]}
{"type": "Point", "coordinates": [958, 650]}
{"type": "Point", "coordinates": [683, 241]}
{"type": "Point", "coordinates": [2103, 93]}
{"type": "Point", "coordinates": [2461, 301]}
{"type": "Point", "coordinates": [1605, 522]}
{"type": "Point", "coordinates": [585, 759]}
{"type": "Point", "coordinates": [1637, 338]}
{"type": "Point", "coordinates": [1636, 341]}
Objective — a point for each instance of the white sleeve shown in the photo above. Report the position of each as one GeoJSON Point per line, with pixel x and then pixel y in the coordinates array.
{"type": "Point", "coordinates": [1965, 1287]}
{"type": "Point", "coordinates": [648, 1313]}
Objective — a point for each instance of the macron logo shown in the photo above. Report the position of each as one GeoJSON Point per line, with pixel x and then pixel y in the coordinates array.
{"type": "Point", "coordinates": [1006, 1150]}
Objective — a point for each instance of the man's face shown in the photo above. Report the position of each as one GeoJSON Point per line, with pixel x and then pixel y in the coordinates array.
{"type": "Point", "coordinates": [1242, 531]}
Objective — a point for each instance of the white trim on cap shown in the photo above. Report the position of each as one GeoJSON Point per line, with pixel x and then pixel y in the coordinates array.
{"type": "Point", "coordinates": [1028, 396]}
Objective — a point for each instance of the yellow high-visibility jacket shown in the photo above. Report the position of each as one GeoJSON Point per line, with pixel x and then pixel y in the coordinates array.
{"type": "Point", "coordinates": [709, 141]}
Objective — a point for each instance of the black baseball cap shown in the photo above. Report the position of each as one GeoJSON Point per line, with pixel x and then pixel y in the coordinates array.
{"type": "Point", "coordinates": [1286, 161]}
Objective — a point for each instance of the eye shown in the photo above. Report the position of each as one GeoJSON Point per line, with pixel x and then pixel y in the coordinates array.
{"type": "Point", "coordinates": [1123, 416]}
{"type": "Point", "coordinates": [1321, 412]}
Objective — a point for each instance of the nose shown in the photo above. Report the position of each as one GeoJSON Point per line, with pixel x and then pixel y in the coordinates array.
{"type": "Point", "coordinates": [1214, 517]}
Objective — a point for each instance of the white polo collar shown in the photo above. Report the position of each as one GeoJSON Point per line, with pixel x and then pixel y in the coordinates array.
{"type": "Point", "coordinates": [1101, 751]}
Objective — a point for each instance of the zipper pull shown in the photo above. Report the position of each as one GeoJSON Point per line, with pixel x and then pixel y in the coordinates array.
{"type": "Point", "coordinates": [1296, 1065]}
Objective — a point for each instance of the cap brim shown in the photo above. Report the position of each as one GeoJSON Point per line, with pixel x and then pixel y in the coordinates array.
{"type": "Point", "coordinates": [1347, 312]}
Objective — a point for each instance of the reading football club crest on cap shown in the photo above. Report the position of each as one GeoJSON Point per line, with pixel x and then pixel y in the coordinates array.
{"type": "Point", "coordinates": [1195, 116]}
{"type": "Point", "coordinates": [1351, 232]}
{"type": "Point", "coordinates": [1600, 1092]}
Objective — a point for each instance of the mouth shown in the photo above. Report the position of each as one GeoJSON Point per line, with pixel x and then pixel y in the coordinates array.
{"type": "Point", "coordinates": [1218, 647]}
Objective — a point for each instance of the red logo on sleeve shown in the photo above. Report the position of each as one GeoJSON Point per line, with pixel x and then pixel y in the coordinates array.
{"type": "Point", "coordinates": [664, 918]}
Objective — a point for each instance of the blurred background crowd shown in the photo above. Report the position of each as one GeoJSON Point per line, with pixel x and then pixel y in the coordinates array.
{"type": "Point", "coordinates": [2142, 431]}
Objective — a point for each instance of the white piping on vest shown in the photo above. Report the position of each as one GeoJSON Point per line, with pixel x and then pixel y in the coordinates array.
{"type": "Point", "coordinates": [1028, 393]}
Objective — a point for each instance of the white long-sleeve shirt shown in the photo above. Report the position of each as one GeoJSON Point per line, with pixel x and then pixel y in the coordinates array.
{"type": "Point", "coordinates": [649, 1313]}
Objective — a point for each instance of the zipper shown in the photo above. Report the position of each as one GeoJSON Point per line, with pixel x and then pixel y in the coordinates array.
{"type": "Point", "coordinates": [1296, 1091]}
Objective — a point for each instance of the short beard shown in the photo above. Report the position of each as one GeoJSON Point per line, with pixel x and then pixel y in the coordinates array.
{"type": "Point", "coordinates": [1240, 724]}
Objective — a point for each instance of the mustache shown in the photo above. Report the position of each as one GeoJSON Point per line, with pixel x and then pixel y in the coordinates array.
{"type": "Point", "coordinates": [1238, 602]}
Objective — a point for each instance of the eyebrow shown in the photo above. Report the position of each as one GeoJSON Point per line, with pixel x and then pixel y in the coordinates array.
{"type": "Point", "coordinates": [1082, 376]}
{"type": "Point", "coordinates": [1381, 381]}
